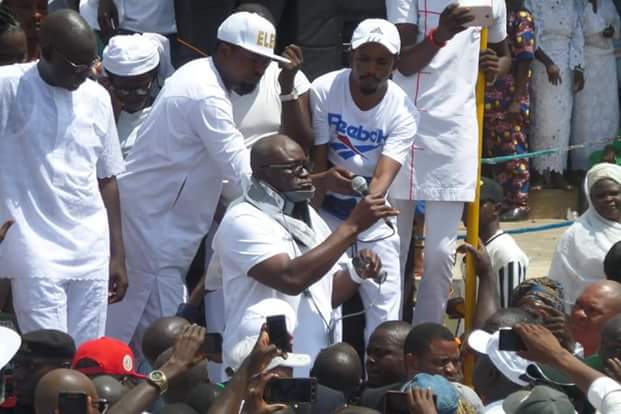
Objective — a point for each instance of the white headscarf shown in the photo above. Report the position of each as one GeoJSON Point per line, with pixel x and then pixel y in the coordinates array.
{"type": "Point", "coordinates": [579, 256]}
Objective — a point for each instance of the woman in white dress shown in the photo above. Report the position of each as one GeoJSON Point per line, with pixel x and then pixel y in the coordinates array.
{"type": "Point", "coordinates": [579, 256]}
{"type": "Point", "coordinates": [596, 107]}
{"type": "Point", "coordinates": [557, 75]}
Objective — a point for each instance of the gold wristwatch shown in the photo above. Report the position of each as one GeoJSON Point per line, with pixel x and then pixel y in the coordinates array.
{"type": "Point", "coordinates": [158, 379]}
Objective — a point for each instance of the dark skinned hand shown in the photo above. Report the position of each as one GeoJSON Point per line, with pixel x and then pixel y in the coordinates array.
{"type": "Point", "coordinates": [452, 21]}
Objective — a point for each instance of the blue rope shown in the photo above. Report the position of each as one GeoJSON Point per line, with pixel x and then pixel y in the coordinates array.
{"type": "Point", "coordinates": [534, 229]}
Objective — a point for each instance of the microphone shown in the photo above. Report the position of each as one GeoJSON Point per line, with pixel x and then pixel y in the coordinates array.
{"type": "Point", "coordinates": [359, 185]}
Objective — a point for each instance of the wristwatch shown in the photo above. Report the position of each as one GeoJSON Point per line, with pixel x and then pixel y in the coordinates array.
{"type": "Point", "coordinates": [158, 379]}
{"type": "Point", "coordinates": [293, 96]}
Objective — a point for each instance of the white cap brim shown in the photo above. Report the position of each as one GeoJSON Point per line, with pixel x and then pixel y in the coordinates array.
{"type": "Point", "coordinates": [259, 51]}
{"type": "Point", "coordinates": [10, 341]}
{"type": "Point", "coordinates": [478, 341]}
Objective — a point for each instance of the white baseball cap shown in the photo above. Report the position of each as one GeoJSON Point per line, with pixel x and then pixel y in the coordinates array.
{"type": "Point", "coordinates": [377, 31]}
{"type": "Point", "coordinates": [510, 364]}
{"type": "Point", "coordinates": [251, 32]}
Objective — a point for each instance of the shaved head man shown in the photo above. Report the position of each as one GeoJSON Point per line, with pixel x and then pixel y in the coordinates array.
{"type": "Point", "coordinates": [385, 358]}
{"type": "Point", "coordinates": [161, 335]}
{"type": "Point", "coordinates": [339, 368]}
{"type": "Point", "coordinates": [599, 302]}
{"type": "Point", "coordinates": [61, 381]}
{"type": "Point", "coordinates": [68, 49]}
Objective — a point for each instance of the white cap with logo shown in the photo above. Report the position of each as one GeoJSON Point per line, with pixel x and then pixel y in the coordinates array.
{"type": "Point", "coordinates": [377, 31]}
{"type": "Point", "coordinates": [251, 32]}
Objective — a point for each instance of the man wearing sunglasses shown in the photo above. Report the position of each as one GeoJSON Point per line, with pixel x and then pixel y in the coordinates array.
{"type": "Point", "coordinates": [59, 156]}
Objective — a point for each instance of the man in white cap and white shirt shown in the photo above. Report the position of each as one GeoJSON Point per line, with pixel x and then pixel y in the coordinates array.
{"type": "Point", "coordinates": [365, 124]}
{"type": "Point", "coordinates": [187, 146]}
{"type": "Point", "coordinates": [133, 67]}
{"type": "Point", "coordinates": [438, 69]}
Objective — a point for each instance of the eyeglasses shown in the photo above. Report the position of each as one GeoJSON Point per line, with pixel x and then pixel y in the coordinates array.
{"type": "Point", "coordinates": [101, 405]}
{"type": "Point", "coordinates": [125, 92]}
{"type": "Point", "coordinates": [295, 168]}
{"type": "Point", "coordinates": [78, 68]}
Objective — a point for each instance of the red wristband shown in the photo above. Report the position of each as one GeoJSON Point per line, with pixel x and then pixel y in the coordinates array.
{"type": "Point", "coordinates": [432, 39]}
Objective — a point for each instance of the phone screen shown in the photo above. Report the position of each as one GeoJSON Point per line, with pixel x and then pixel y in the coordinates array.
{"type": "Point", "coordinates": [396, 402]}
{"type": "Point", "coordinates": [291, 390]}
{"type": "Point", "coordinates": [72, 403]}
{"type": "Point", "coordinates": [212, 344]}
{"type": "Point", "coordinates": [277, 330]}
{"type": "Point", "coordinates": [509, 340]}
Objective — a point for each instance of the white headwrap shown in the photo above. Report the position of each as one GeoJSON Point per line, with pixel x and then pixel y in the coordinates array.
{"type": "Point", "coordinates": [131, 55]}
{"type": "Point", "coordinates": [579, 256]}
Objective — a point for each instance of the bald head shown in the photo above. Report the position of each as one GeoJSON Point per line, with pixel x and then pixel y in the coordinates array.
{"type": "Point", "coordinates": [58, 381]}
{"type": "Point", "coordinates": [338, 367]}
{"type": "Point", "coordinates": [67, 30]}
{"type": "Point", "coordinates": [271, 150]}
{"type": "Point", "coordinates": [161, 335]}
{"type": "Point", "coordinates": [393, 331]}
{"type": "Point", "coordinates": [108, 388]}
{"type": "Point", "coordinates": [596, 305]}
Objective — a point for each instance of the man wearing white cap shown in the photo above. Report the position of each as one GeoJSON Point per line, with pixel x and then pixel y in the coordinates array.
{"type": "Point", "coordinates": [186, 147]}
{"type": "Point", "coordinates": [132, 65]}
{"type": "Point", "coordinates": [438, 70]}
{"type": "Point", "coordinates": [365, 124]}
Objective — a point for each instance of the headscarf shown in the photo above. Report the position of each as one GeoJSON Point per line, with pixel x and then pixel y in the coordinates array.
{"type": "Point", "coordinates": [579, 256]}
{"type": "Point", "coordinates": [545, 289]}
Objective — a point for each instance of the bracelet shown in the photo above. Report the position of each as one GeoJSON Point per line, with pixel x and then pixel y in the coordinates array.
{"type": "Point", "coordinates": [432, 39]}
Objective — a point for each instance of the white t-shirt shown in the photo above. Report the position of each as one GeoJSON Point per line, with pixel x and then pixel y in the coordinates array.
{"type": "Point", "coordinates": [55, 144]}
{"type": "Point", "coordinates": [246, 237]}
{"type": "Point", "coordinates": [356, 139]}
{"type": "Point", "coordinates": [128, 125]}
{"type": "Point", "coordinates": [185, 148]}
{"type": "Point", "coordinates": [445, 158]}
{"type": "Point", "coordinates": [257, 114]}
{"type": "Point", "coordinates": [509, 263]}
{"type": "Point", "coordinates": [155, 16]}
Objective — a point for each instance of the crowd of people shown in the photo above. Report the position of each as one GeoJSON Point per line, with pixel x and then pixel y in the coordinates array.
{"type": "Point", "coordinates": [160, 219]}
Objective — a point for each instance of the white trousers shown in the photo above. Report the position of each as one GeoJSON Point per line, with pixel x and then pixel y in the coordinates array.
{"type": "Point", "coordinates": [148, 299]}
{"type": "Point", "coordinates": [442, 220]}
{"type": "Point", "coordinates": [382, 303]}
{"type": "Point", "coordinates": [77, 307]}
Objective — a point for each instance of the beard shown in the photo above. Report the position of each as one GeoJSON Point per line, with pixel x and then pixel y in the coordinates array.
{"type": "Point", "coordinates": [245, 88]}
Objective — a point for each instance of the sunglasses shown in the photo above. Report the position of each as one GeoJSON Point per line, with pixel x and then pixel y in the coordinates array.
{"type": "Point", "coordinates": [78, 68]}
{"type": "Point", "coordinates": [295, 168]}
{"type": "Point", "coordinates": [125, 92]}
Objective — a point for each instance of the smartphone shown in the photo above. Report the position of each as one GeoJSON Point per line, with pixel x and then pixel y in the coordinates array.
{"type": "Point", "coordinates": [481, 10]}
{"type": "Point", "coordinates": [212, 344]}
{"type": "Point", "coordinates": [291, 390]}
{"type": "Point", "coordinates": [509, 340]}
{"type": "Point", "coordinates": [277, 330]}
{"type": "Point", "coordinates": [72, 403]}
{"type": "Point", "coordinates": [396, 402]}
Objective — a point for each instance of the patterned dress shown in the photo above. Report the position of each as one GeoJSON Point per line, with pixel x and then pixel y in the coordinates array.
{"type": "Point", "coordinates": [505, 136]}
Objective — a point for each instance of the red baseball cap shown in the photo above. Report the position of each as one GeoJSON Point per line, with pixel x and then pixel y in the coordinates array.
{"type": "Point", "coordinates": [105, 356]}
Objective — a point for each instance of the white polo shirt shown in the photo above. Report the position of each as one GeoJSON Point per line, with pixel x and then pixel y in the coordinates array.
{"type": "Point", "coordinates": [54, 145]}
{"type": "Point", "coordinates": [246, 237]}
{"type": "Point", "coordinates": [444, 163]}
{"type": "Point", "coordinates": [188, 144]}
{"type": "Point", "coordinates": [358, 138]}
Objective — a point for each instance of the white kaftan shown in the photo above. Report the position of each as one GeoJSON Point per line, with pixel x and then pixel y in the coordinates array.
{"type": "Point", "coordinates": [558, 32]}
{"type": "Point", "coordinates": [596, 107]}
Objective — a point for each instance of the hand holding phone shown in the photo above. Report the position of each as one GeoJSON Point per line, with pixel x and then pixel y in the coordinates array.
{"type": "Point", "coordinates": [277, 331]}
{"type": "Point", "coordinates": [291, 390]}
{"type": "Point", "coordinates": [212, 345]}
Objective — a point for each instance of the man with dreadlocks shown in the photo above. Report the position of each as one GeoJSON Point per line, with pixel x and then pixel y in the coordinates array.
{"type": "Point", "coordinates": [13, 44]}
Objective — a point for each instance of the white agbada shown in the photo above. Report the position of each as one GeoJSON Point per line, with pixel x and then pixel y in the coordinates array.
{"type": "Point", "coordinates": [184, 150]}
{"type": "Point", "coordinates": [596, 107]}
{"type": "Point", "coordinates": [444, 162]}
{"type": "Point", "coordinates": [558, 32]}
{"type": "Point", "coordinates": [55, 144]}
{"type": "Point", "coordinates": [246, 237]}
{"type": "Point", "coordinates": [579, 256]}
